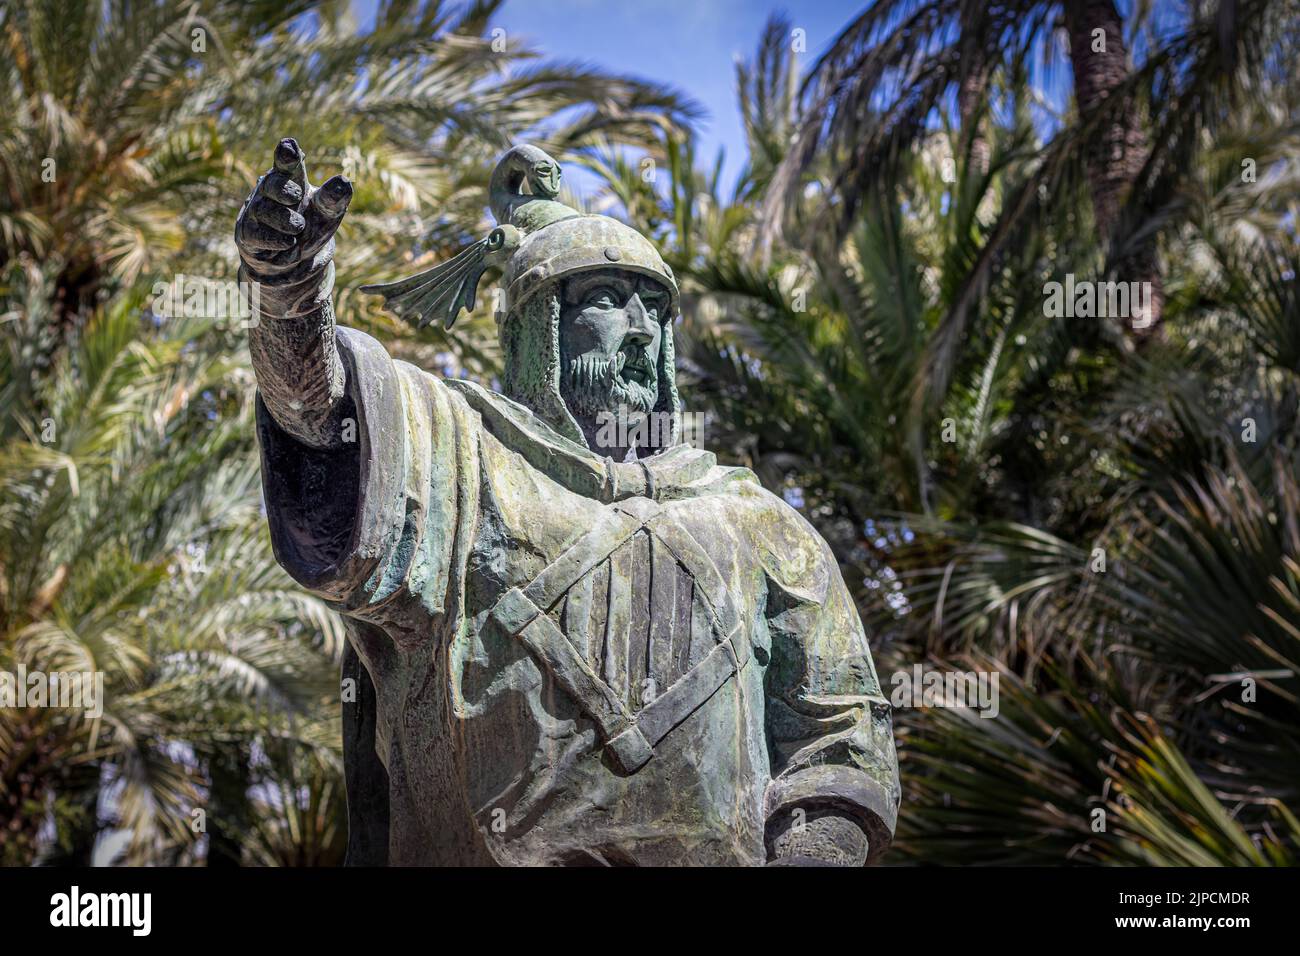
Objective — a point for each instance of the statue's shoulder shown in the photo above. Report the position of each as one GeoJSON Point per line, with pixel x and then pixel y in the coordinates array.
{"type": "Point", "coordinates": [732, 497]}
{"type": "Point", "coordinates": [683, 471]}
{"type": "Point", "coordinates": [791, 548]}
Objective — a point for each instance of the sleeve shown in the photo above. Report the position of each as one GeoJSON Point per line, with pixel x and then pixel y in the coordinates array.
{"type": "Point", "coordinates": [364, 774]}
{"type": "Point", "coordinates": [830, 729]}
{"type": "Point", "coordinates": [376, 520]}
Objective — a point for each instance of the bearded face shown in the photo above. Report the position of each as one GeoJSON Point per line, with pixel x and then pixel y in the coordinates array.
{"type": "Point", "coordinates": [611, 333]}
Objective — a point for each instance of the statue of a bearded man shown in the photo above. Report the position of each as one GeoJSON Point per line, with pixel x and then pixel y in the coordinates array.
{"type": "Point", "coordinates": [568, 643]}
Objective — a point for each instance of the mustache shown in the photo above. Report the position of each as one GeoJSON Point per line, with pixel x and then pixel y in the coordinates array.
{"type": "Point", "coordinates": [595, 382]}
{"type": "Point", "coordinates": [638, 361]}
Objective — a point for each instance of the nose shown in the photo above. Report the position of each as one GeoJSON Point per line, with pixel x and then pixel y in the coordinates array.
{"type": "Point", "coordinates": [640, 325]}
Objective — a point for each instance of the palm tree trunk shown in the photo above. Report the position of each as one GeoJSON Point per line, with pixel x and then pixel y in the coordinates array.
{"type": "Point", "coordinates": [1100, 62]}
{"type": "Point", "coordinates": [970, 97]}
{"type": "Point", "coordinates": [973, 90]}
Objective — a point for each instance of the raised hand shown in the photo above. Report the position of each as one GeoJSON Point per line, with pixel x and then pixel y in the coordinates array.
{"type": "Point", "coordinates": [285, 230]}
{"type": "Point", "coordinates": [285, 234]}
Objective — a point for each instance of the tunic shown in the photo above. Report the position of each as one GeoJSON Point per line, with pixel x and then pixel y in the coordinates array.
{"type": "Point", "coordinates": [552, 664]}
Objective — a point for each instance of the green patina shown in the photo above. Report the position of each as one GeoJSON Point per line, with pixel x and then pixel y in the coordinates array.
{"type": "Point", "coordinates": [565, 656]}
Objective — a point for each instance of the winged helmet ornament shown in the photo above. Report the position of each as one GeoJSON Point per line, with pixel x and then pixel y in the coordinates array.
{"type": "Point", "coordinates": [522, 194]}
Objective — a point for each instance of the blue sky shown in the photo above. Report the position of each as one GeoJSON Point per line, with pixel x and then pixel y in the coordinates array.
{"type": "Point", "coordinates": [689, 44]}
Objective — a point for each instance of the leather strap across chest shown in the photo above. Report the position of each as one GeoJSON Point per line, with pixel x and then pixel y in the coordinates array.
{"type": "Point", "coordinates": [629, 737]}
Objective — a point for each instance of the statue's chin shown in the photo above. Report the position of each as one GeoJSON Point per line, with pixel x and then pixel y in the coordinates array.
{"type": "Point", "coordinates": [603, 398]}
{"type": "Point", "coordinates": [611, 409]}
{"type": "Point", "coordinates": [613, 428]}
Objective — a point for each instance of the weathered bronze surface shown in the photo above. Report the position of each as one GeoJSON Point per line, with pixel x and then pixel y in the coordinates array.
{"type": "Point", "coordinates": [569, 644]}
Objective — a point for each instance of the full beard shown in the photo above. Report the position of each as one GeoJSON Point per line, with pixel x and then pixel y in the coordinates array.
{"type": "Point", "coordinates": [595, 384]}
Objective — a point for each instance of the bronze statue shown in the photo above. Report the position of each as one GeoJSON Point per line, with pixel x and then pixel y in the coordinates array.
{"type": "Point", "coordinates": [568, 644]}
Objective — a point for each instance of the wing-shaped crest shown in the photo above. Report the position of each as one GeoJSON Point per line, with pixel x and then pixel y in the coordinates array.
{"type": "Point", "coordinates": [441, 292]}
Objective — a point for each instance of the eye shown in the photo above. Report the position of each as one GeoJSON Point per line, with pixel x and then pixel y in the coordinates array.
{"type": "Point", "coordinates": [602, 297]}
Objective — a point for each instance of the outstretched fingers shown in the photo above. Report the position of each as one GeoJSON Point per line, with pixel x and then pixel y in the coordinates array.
{"type": "Point", "coordinates": [286, 221]}
{"type": "Point", "coordinates": [280, 188]}
{"type": "Point", "coordinates": [259, 237]}
{"type": "Point", "coordinates": [324, 211]}
{"type": "Point", "coordinates": [282, 218]}
{"type": "Point", "coordinates": [332, 199]}
{"type": "Point", "coordinates": [292, 162]}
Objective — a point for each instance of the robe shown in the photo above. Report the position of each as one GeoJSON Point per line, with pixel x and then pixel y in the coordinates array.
{"type": "Point", "coordinates": [551, 663]}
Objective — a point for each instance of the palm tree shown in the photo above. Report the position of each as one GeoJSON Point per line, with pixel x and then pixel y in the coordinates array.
{"type": "Point", "coordinates": [131, 537]}
{"type": "Point", "coordinates": [970, 476]}
{"type": "Point", "coordinates": [128, 133]}
{"type": "Point", "coordinates": [872, 93]}
{"type": "Point", "coordinates": [133, 546]}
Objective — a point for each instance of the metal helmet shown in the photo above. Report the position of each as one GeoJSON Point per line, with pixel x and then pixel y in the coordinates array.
{"type": "Point", "coordinates": [537, 240]}
{"type": "Point", "coordinates": [577, 244]}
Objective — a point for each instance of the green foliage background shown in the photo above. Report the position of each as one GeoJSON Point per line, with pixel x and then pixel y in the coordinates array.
{"type": "Point", "coordinates": [863, 325]}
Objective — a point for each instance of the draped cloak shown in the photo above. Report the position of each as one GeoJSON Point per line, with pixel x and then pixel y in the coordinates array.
{"type": "Point", "coordinates": [693, 613]}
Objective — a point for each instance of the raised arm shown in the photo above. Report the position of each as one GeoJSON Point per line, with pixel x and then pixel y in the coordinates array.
{"type": "Point", "coordinates": [285, 235]}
